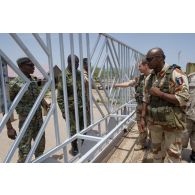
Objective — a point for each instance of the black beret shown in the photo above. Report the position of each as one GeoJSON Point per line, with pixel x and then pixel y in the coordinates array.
{"type": "Point", "coordinates": [24, 60]}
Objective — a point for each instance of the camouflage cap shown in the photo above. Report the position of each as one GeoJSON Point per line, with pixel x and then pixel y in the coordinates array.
{"type": "Point", "coordinates": [24, 60]}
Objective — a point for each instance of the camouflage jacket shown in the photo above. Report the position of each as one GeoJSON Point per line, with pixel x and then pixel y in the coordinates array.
{"type": "Point", "coordinates": [191, 104]}
{"type": "Point", "coordinates": [27, 101]}
{"type": "Point", "coordinates": [69, 82]}
{"type": "Point", "coordinates": [170, 80]}
{"type": "Point", "coordinates": [139, 89]}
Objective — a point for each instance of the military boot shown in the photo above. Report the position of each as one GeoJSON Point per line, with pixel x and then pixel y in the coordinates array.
{"type": "Point", "coordinates": [139, 146]}
{"type": "Point", "coordinates": [192, 156]}
{"type": "Point", "coordinates": [74, 150]}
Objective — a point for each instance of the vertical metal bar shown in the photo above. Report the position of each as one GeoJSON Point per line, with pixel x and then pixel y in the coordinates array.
{"type": "Point", "coordinates": [82, 80]}
{"type": "Point", "coordinates": [122, 70]}
{"type": "Point", "coordinates": [74, 83]}
{"type": "Point", "coordinates": [128, 55]}
{"type": "Point", "coordinates": [50, 60]}
{"type": "Point", "coordinates": [106, 124]}
{"type": "Point", "coordinates": [64, 83]}
{"type": "Point", "coordinates": [119, 80]}
{"type": "Point", "coordinates": [126, 73]}
{"type": "Point", "coordinates": [3, 87]}
{"type": "Point", "coordinates": [99, 129]}
{"type": "Point", "coordinates": [65, 93]}
{"type": "Point", "coordinates": [90, 83]}
{"type": "Point", "coordinates": [107, 74]}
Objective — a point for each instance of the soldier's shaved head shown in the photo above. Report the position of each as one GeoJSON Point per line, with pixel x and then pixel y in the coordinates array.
{"type": "Point", "coordinates": [156, 58]}
{"type": "Point", "coordinates": [156, 51]}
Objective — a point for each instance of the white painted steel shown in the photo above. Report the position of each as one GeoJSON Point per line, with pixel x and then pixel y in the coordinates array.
{"type": "Point", "coordinates": [112, 61]}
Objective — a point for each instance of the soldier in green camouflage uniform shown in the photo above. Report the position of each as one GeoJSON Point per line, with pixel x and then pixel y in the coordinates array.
{"type": "Point", "coordinates": [60, 99]}
{"type": "Point", "coordinates": [23, 108]}
{"type": "Point", "coordinates": [86, 78]}
{"type": "Point", "coordinates": [165, 98]}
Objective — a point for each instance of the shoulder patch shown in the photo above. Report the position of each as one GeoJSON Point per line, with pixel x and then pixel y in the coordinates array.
{"type": "Point", "coordinates": [179, 80]}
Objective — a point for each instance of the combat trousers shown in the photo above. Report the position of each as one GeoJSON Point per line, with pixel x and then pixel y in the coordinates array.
{"type": "Point", "coordinates": [31, 134]}
{"type": "Point", "coordinates": [189, 134]}
{"type": "Point", "coordinates": [142, 135]}
{"type": "Point", "coordinates": [166, 145]}
{"type": "Point", "coordinates": [73, 120]}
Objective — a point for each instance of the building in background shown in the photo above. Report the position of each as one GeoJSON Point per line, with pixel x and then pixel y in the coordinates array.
{"type": "Point", "coordinates": [190, 67]}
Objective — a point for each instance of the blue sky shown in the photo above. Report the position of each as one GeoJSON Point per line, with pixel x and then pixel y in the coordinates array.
{"type": "Point", "coordinates": [171, 43]}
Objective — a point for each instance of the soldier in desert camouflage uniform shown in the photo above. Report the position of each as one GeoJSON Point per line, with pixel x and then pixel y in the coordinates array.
{"type": "Point", "coordinates": [189, 133]}
{"type": "Point", "coordinates": [165, 97]}
{"type": "Point", "coordinates": [138, 83]}
{"type": "Point", "coordinates": [60, 99]}
{"type": "Point", "coordinates": [23, 108]}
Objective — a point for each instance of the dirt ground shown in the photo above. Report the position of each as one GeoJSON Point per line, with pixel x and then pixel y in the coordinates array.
{"type": "Point", "coordinates": [123, 152]}
{"type": "Point", "coordinates": [5, 142]}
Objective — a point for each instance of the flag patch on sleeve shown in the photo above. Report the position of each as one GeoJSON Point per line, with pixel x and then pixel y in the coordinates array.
{"type": "Point", "coordinates": [179, 80]}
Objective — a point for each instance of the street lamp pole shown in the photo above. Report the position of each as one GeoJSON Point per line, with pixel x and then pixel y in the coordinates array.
{"type": "Point", "coordinates": [179, 55]}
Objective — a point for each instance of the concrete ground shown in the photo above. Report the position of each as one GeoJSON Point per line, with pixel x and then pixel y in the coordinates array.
{"type": "Point", "coordinates": [123, 151]}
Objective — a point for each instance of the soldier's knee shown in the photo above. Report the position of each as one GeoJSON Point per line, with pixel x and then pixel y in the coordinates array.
{"type": "Point", "coordinates": [156, 146]}
{"type": "Point", "coordinates": [192, 143]}
{"type": "Point", "coordinates": [185, 139]}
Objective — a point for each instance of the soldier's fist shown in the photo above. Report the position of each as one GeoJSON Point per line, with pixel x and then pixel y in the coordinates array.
{"type": "Point", "coordinates": [11, 133]}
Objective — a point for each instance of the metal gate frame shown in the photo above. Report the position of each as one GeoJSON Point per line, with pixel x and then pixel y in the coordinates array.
{"type": "Point", "coordinates": [119, 64]}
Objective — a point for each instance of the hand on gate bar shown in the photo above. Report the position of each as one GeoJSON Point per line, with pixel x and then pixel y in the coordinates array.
{"type": "Point", "coordinates": [11, 133]}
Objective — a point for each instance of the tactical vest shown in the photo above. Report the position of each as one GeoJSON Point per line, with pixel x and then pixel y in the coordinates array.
{"type": "Point", "coordinates": [139, 87]}
{"type": "Point", "coordinates": [162, 112]}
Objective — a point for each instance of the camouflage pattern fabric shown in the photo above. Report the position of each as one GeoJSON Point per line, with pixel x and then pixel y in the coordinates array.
{"type": "Point", "coordinates": [189, 133]}
{"type": "Point", "coordinates": [139, 87]}
{"type": "Point", "coordinates": [142, 135]}
{"type": "Point", "coordinates": [159, 128]}
{"type": "Point", "coordinates": [60, 99]}
{"type": "Point", "coordinates": [23, 108]}
{"type": "Point", "coordinates": [161, 112]}
{"type": "Point", "coordinates": [86, 78]}
{"type": "Point", "coordinates": [166, 145]}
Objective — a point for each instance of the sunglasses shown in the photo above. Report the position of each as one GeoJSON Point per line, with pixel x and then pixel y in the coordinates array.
{"type": "Point", "coordinates": [149, 59]}
{"type": "Point", "coordinates": [30, 64]}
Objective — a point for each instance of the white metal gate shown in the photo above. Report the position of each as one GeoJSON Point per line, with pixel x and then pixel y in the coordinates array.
{"type": "Point", "coordinates": [111, 62]}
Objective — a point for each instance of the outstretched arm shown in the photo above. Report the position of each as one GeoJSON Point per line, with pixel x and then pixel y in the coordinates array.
{"type": "Point", "coordinates": [130, 83]}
